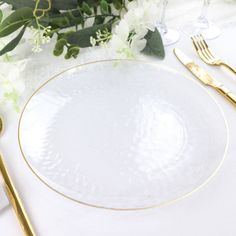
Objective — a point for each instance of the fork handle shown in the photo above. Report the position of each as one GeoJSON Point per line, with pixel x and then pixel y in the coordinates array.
{"type": "Point", "coordinates": [227, 94]}
{"type": "Point", "coordinates": [229, 67]}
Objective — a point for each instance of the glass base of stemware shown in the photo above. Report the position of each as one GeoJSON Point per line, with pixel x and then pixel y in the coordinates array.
{"type": "Point", "coordinates": [211, 31]}
{"type": "Point", "coordinates": [170, 37]}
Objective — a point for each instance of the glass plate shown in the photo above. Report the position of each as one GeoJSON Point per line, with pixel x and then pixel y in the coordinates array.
{"type": "Point", "coordinates": [123, 134]}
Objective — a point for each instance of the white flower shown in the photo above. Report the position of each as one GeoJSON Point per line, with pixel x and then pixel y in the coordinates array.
{"type": "Point", "coordinates": [11, 84]}
{"type": "Point", "coordinates": [93, 41]}
{"type": "Point", "coordinates": [122, 30]}
{"type": "Point", "coordinates": [142, 15]}
{"type": "Point", "coordinates": [101, 39]}
{"type": "Point", "coordinates": [128, 36]}
{"type": "Point", "coordinates": [120, 40]}
{"type": "Point", "coordinates": [39, 37]}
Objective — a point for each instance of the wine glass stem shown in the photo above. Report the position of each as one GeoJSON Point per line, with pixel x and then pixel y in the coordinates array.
{"type": "Point", "coordinates": [162, 22]}
{"type": "Point", "coordinates": [203, 17]}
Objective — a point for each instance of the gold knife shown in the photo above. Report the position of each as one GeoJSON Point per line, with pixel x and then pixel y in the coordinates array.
{"type": "Point", "coordinates": [203, 76]}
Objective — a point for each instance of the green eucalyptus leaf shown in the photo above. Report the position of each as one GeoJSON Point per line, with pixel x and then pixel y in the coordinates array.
{"type": "Point", "coordinates": [59, 47]}
{"type": "Point", "coordinates": [82, 37]}
{"type": "Point", "coordinates": [57, 52]}
{"type": "Point", "coordinates": [60, 22]}
{"type": "Point", "coordinates": [11, 45]}
{"type": "Point", "coordinates": [117, 4]}
{"type": "Point", "coordinates": [104, 7]}
{"type": "Point", "coordinates": [154, 44]}
{"type": "Point", "coordinates": [74, 51]}
{"type": "Point", "coordinates": [14, 21]}
{"type": "Point", "coordinates": [86, 9]}
{"type": "Point", "coordinates": [67, 56]}
{"type": "Point", "coordinates": [60, 43]}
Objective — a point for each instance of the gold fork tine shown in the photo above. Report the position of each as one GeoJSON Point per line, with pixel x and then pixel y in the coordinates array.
{"type": "Point", "coordinates": [195, 44]}
{"type": "Point", "coordinates": [199, 50]}
{"type": "Point", "coordinates": [204, 48]}
{"type": "Point", "coordinates": [211, 54]}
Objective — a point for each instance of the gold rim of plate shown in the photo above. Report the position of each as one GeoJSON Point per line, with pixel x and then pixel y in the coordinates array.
{"type": "Point", "coordinates": [168, 202]}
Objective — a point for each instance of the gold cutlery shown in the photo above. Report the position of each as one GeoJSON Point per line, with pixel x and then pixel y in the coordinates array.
{"type": "Point", "coordinates": [207, 55]}
{"type": "Point", "coordinates": [204, 77]}
{"type": "Point", "coordinates": [14, 197]}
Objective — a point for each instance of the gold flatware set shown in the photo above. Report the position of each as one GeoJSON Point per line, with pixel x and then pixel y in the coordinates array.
{"type": "Point", "coordinates": [207, 55]}
{"type": "Point", "coordinates": [209, 58]}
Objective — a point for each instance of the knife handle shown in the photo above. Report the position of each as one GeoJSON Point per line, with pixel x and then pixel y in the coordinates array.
{"type": "Point", "coordinates": [15, 201]}
{"type": "Point", "coordinates": [227, 94]}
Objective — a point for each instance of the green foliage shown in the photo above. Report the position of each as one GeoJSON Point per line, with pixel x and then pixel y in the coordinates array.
{"type": "Point", "coordinates": [14, 21]}
{"type": "Point", "coordinates": [72, 52]}
{"type": "Point", "coordinates": [12, 44]}
{"type": "Point", "coordinates": [86, 8]}
{"type": "Point", "coordinates": [59, 47]}
{"type": "Point", "coordinates": [104, 7]}
{"type": "Point", "coordinates": [154, 44]}
{"type": "Point", "coordinates": [67, 19]}
{"type": "Point", "coordinates": [117, 4]}
{"type": "Point", "coordinates": [82, 37]}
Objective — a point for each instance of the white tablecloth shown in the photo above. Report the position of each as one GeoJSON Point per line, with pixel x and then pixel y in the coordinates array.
{"type": "Point", "coordinates": [209, 212]}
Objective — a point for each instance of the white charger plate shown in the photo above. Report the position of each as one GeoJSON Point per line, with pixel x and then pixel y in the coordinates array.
{"type": "Point", "coordinates": [123, 135]}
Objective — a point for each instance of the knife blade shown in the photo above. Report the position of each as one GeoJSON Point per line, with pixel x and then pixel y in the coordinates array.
{"type": "Point", "coordinates": [203, 76]}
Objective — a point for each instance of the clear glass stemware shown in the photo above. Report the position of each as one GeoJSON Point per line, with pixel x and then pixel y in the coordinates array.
{"type": "Point", "coordinates": [169, 36]}
{"type": "Point", "coordinates": [202, 25]}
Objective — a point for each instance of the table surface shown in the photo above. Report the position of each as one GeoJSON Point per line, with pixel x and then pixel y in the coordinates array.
{"type": "Point", "coordinates": [209, 211]}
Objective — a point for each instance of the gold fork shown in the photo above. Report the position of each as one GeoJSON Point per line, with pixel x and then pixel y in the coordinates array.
{"type": "Point", "coordinates": [207, 55]}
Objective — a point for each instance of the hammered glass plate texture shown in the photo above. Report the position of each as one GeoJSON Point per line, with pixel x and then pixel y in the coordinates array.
{"type": "Point", "coordinates": [123, 134]}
